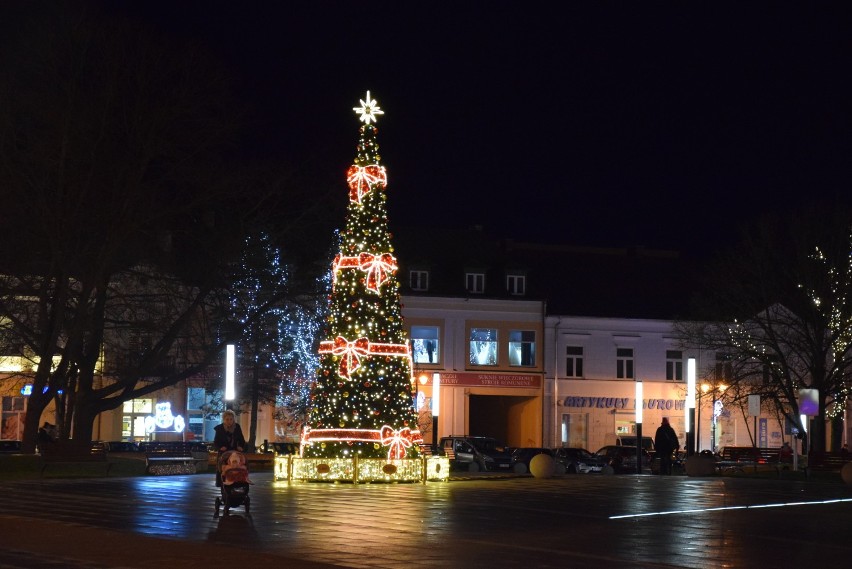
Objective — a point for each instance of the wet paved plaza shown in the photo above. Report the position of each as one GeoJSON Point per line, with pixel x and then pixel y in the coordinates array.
{"type": "Point", "coordinates": [571, 521]}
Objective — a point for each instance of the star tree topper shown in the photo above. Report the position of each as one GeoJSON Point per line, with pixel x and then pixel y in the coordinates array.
{"type": "Point", "coordinates": [368, 110]}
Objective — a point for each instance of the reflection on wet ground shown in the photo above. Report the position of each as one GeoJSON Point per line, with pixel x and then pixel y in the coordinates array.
{"type": "Point", "coordinates": [572, 521]}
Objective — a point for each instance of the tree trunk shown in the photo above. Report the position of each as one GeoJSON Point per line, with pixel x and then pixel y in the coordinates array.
{"type": "Point", "coordinates": [36, 404]}
{"type": "Point", "coordinates": [255, 397]}
{"type": "Point", "coordinates": [836, 433]}
{"type": "Point", "coordinates": [84, 421]}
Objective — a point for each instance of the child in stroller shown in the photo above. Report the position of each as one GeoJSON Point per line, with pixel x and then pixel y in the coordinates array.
{"type": "Point", "coordinates": [231, 467]}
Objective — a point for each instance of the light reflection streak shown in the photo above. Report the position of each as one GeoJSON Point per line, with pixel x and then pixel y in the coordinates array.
{"type": "Point", "coordinates": [725, 508]}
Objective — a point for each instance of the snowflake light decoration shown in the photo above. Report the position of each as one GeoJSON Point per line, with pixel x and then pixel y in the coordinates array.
{"type": "Point", "coordinates": [368, 110]}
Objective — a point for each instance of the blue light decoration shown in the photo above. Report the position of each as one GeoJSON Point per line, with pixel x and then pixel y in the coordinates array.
{"type": "Point", "coordinates": [163, 421]}
{"type": "Point", "coordinates": [27, 390]}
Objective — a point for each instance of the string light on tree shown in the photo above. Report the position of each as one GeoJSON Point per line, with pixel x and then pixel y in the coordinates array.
{"type": "Point", "coordinates": [362, 403]}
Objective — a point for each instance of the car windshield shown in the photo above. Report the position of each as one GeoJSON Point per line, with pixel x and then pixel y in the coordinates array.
{"type": "Point", "coordinates": [488, 445]}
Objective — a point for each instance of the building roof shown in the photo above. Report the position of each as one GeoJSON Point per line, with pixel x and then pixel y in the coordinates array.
{"type": "Point", "coordinates": [629, 282]}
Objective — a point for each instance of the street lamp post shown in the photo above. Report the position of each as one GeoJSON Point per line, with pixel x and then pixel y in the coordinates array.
{"type": "Point", "coordinates": [691, 427]}
{"type": "Point", "coordinates": [639, 399]}
{"type": "Point", "coordinates": [436, 406]}
{"type": "Point", "coordinates": [230, 391]}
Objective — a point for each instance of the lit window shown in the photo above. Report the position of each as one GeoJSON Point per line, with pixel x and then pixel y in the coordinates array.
{"type": "Point", "coordinates": [522, 348]}
{"type": "Point", "coordinates": [419, 280]}
{"type": "Point", "coordinates": [674, 365]}
{"type": "Point", "coordinates": [483, 346]}
{"type": "Point", "coordinates": [133, 419]}
{"type": "Point", "coordinates": [12, 419]}
{"type": "Point", "coordinates": [624, 363]}
{"type": "Point", "coordinates": [425, 344]}
{"type": "Point", "coordinates": [516, 284]}
{"type": "Point", "coordinates": [573, 361]}
{"type": "Point", "coordinates": [475, 282]}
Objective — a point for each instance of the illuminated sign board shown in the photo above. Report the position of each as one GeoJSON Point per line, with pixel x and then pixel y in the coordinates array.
{"type": "Point", "coordinates": [163, 421]}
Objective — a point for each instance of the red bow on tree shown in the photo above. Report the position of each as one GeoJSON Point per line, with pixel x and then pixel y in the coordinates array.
{"type": "Point", "coordinates": [377, 268]}
{"type": "Point", "coordinates": [361, 179]}
{"type": "Point", "coordinates": [398, 441]}
{"type": "Point", "coordinates": [350, 353]}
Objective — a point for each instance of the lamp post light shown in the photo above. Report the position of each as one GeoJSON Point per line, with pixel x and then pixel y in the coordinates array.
{"type": "Point", "coordinates": [230, 391]}
{"type": "Point", "coordinates": [690, 407]}
{"type": "Point", "coordinates": [436, 406]}
{"type": "Point", "coordinates": [639, 401]}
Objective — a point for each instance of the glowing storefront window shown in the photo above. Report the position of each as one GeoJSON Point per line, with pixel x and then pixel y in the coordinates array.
{"type": "Point", "coordinates": [425, 345]}
{"type": "Point", "coordinates": [133, 419]}
{"type": "Point", "coordinates": [483, 346]}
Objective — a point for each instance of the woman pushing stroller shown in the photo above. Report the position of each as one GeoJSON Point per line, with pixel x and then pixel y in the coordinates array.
{"type": "Point", "coordinates": [229, 436]}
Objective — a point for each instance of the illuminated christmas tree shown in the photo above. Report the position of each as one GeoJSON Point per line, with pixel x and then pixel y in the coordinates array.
{"type": "Point", "coordinates": [362, 400]}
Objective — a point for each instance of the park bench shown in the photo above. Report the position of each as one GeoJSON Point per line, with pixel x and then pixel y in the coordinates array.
{"type": "Point", "coordinates": [69, 453]}
{"type": "Point", "coordinates": [737, 459]}
{"type": "Point", "coordinates": [259, 460]}
{"type": "Point", "coordinates": [162, 458]}
{"type": "Point", "coordinates": [827, 461]}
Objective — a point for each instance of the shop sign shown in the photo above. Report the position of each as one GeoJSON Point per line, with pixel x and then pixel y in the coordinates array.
{"type": "Point", "coordinates": [623, 403]}
{"type": "Point", "coordinates": [455, 379]}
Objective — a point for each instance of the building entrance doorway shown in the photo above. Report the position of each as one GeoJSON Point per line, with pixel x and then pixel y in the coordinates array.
{"type": "Point", "coordinates": [514, 420]}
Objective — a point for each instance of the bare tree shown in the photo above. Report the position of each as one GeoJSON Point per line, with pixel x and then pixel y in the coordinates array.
{"type": "Point", "coordinates": [123, 212]}
{"type": "Point", "coordinates": [779, 307]}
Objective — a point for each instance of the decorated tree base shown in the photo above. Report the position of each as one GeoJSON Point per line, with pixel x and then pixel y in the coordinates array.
{"type": "Point", "coordinates": [362, 470]}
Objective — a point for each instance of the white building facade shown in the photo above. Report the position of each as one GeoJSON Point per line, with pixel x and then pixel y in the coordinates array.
{"type": "Point", "coordinates": [591, 369]}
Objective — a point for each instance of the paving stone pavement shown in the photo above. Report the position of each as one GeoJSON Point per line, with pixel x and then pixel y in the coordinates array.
{"type": "Point", "coordinates": [579, 521]}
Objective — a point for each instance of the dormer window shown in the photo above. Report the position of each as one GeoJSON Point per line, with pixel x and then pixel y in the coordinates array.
{"type": "Point", "coordinates": [516, 285]}
{"type": "Point", "coordinates": [419, 280]}
{"type": "Point", "coordinates": [475, 283]}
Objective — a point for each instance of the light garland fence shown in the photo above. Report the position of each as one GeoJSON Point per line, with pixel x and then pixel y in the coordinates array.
{"type": "Point", "coordinates": [293, 468]}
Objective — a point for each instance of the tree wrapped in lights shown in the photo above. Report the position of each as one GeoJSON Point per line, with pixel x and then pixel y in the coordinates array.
{"type": "Point", "coordinates": [780, 308]}
{"type": "Point", "coordinates": [362, 399]}
{"type": "Point", "coordinates": [278, 321]}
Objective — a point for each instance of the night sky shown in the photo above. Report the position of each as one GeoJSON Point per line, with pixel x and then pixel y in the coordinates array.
{"type": "Point", "coordinates": [656, 124]}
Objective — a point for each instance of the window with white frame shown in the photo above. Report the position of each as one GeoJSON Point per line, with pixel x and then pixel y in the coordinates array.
{"type": "Point", "coordinates": [419, 280]}
{"type": "Point", "coordinates": [475, 282]}
{"type": "Point", "coordinates": [133, 419]}
{"type": "Point", "coordinates": [483, 346]}
{"type": "Point", "coordinates": [522, 348]}
{"type": "Point", "coordinates": [674, 365]}
{"type": "Point", "coordinates": [573, 361]}
{"type": "Point", "coordinates": [425, 344]}
{"type": "Point", "coordinates": [624, 363]}
{"type": "Point", "coordinates": [516, 284]}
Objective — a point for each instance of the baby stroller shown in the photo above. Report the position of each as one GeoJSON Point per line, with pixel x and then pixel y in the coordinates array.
{"type": "Point", "coordinates": [231, 470]}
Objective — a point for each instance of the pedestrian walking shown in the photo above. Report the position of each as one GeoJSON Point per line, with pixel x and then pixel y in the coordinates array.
{"type": "Point", "coordinates": [786, 453]}
{"type": "Point", "coordinates": [665, 443]}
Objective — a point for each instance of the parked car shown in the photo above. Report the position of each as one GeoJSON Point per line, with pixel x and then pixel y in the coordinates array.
{"type": "Point", "coordinates": [678, 462]}
{"type": "Point", "coordinates": [630, 441]}
{"type": "Point", "coordinates": [577, 460]}
{"type": "Point", "coordinates": [522, 456]}
{"type": "Point", "coordinates": [9, 446]}
{"type": "Point", "coordinates": [473, 453]}
{"type": "Point", "coordinates": [622, 459]}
